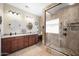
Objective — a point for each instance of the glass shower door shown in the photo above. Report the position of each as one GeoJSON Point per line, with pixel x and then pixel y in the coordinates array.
{"type": "Point", "coordinates": [52, 33]}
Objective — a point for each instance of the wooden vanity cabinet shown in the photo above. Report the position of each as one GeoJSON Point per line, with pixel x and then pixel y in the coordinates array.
{"type": "Point", "coordinates": [11, 44]}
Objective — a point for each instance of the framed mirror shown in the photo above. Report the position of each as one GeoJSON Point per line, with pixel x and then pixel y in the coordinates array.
{"type": "Point", "coordinates": [29, 26]}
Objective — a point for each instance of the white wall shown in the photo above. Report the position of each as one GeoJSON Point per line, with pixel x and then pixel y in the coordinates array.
{"type": "Point", "coordinates": [20, 19]}
{"type": "Point", "coordinates": [1, 14]}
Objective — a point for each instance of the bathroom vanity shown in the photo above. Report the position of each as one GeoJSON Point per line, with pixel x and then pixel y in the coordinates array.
{"type": "Point", "coordinates": [19, 29]}
{"type": "Point", "coordinates": [17, 42]}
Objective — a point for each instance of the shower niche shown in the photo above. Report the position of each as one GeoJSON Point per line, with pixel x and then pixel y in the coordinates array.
{"type": "Point", "coordinates": [74, 26]}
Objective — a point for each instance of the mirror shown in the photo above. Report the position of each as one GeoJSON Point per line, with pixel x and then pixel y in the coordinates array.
{"type": "Point", "coordinates": [29, 26]}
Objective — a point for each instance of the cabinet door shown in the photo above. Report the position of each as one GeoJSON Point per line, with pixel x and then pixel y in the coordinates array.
{"type": "Point", "coordinates": [26, 42]}
{"type": "Point", "coordinates": [6, 47]}
{"type": "Point", "coordinates": [20, 42]}
{"type": "Point", "coordinates": [33, 39]}
{"type": "Point", "coordinates": [30, 40]}
{"type": "Point", "coordinates": [14, 44]}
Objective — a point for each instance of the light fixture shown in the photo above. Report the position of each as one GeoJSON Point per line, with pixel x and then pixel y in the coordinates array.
{"type": "Point", "coordinates": [13, 12]}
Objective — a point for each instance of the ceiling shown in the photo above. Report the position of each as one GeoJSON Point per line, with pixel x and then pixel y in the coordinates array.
{"type": "Point", "coordinates": [57, 8]}
{"type": "Point", "coordinates": [34, 8]}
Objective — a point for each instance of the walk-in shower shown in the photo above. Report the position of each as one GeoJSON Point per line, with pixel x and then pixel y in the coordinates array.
{"type": "Point", "coordinates": [60, 20]}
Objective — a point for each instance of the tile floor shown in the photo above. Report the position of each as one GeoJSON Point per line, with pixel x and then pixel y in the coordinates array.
{"type": "Point", "coordinates": [35, 50]}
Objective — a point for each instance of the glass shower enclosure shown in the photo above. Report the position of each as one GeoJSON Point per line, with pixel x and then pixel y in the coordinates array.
{"type": "Point", "coordinates": [61, 27]}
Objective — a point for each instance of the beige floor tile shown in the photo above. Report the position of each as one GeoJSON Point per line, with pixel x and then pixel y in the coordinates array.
{"type": "Point", "coordinates": [35, 50]}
